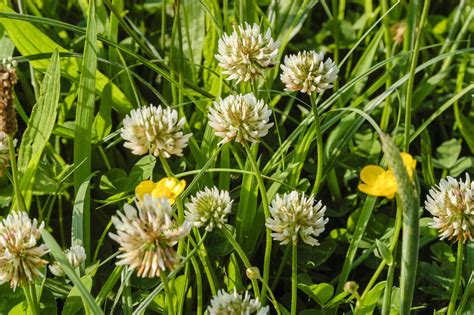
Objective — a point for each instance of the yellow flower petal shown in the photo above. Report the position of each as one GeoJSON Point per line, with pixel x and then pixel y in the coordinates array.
{"type": "Point", "coordinates": [371, 173]}
{"type": "Point", "coordinates": [145, 187]}
{"type": "Point", "coordinates": [377, 182]}
{"type": "Point", "coordinates": [409, 162]}
{"type": "Point", "coordinates": [169, 187]}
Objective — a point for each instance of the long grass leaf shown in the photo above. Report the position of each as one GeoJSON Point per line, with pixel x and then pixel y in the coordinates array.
{"type": "Point", "coordinates": [83, 126]}
{"type": "Point", "coordinates": [40, 127]}
{"type": "Point", "coordinates": [58, 254]}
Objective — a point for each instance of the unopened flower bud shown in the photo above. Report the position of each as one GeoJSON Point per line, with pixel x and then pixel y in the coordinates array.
{"type": "Point", "coordinates": [351, 287]}
{"type": "Point", "coordinates": [253, 273]}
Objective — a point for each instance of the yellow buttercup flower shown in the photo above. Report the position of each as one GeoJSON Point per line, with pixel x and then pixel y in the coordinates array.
{"type": "Point", "coordinates": [168, 187]}
{"type": "Point", "coordinates": [381, 183]}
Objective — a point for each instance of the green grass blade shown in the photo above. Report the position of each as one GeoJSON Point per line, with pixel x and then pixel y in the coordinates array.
{"type": "Point", "coordinates": [83, 127]}
{"type": "Point", "coordinates": [359, 231]}
{"type": "Point", "coordinates": [29, 40]}
{"type": "Point", "coordinates": [40, 127]}
{"type": "Point", "coordinates": [58, 254]}
{"type": "Point", "coordinates": [411, 223]}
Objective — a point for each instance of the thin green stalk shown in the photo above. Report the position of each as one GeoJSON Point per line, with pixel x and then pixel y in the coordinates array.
{"type": "Point", "coordinates": [411, 79]}
{"type": "Point", "coordinates": [30, 295]}
{"type": "Point", "coordinates": [266, 210]}
{"type": "Point", "coordinates": [393, 244]}
{"type": "Point", "coordinates": [163, 25]}
{"type": "Point", "coordinates": [457, 279]}
{"type": "Point", "coordinates": [166, 166]}
{"type": "Point", "coordinates": [281, 267]}
{"type": "Point", "coordinates": [127, 293]}
{"type": "Point", "coordinates": [387, 295]}
{"type": "Point", "coordinates": [272, 297]}
{"type": "Point", "coordinates": [169, 297]}
{"type": "Point", "coordinates": [294, 278]}
{"type": "Point", "coordinates": [198, 275]}
{"type": "Point", "coordinates": [388, 54]}
{"type": "Point", "coordinates": [243, 257]}
{"type": "Point", "coordinates": [320, 148]}
{"type": "Point", "coordinates": [16, 183]}
{"type": "Point", "coordinates": [206, 264]}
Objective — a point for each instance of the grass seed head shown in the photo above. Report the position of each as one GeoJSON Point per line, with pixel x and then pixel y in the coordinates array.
{"type": "Point", "coordinates": [8, 79]}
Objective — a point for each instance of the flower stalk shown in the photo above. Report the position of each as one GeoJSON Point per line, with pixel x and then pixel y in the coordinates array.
{"type": "Point", "coordinates": [294, 277]}
{"type": "Point", "coordinates": [319, 147]}
{"type": "Point", "coordinates": [242, 256]}
{"type": "Point", "coordinates": [266, 210]}
{"type": "Point", "coordinates": [169, 297]}
{"type": "Point", "coordinates": [16, 182]}
{"type": "Point", "coordinates": [457, 278]}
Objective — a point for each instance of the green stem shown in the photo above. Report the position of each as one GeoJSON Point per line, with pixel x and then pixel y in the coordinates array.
{"type": "Point", "coordinates": [169, 297]}
{"type": "Point", "coordinates": [393, 244]}
{"type": "Point", "coordinates": [16, 183]}
{"type": "Point", "coordinates": [388, 54]}
{"type": "Point", "coordinates": [387, 296]}
{"type": "Point", "coordinates": [198, 274]}
{"type": "Point", "coordinates": [272, 297]}
{"type": "Point", "coordinates": [166, 166]}
{"type": "Point", "coordinates": [243, 257]}
{"type": "Point", "coordinates": [281, 267]}
{"type": "Point", "coordinates": [206, 264]}
{"type": "Point", "coordinates": [266, 210]}
{"type": "Point", "coordinates": [294, 280]}
{"type": "Point", "coordinates": [30, 294]}
{"type": "Point", "coordinates": [457, 279]}
{"type": "Point", "coordinates": [411, 79]}
{"type": "Point", "coordinates": [319, 144]}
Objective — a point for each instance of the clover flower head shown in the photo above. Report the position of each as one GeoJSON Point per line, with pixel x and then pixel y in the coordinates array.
{"type": "Point", "coordinates": [240, 117]}
{"type": "Point", "coordinates": [234, 303]}
{"type": "Point", "coordinates": [381, 183]}
{"type": "Point", "coordinates": [451, 203]}
{"type": "Point", "coordinates": [246, 53]}
{"type": "Point", "coordinates": [168, 187]}
{"type": "Point", "coordinates": [146, 234]}
{"type": "Point", "coordinates": [154, 130]}
{"type": "Point", "coordinates": [209, 208]}
{"type": "Point", "coordinates": [76, 255]}
{"type": "Point", "coordinates": [20, 254]}
{"type": "Point", "coordinates": [294, 216]}
{"type": "Point", "coordinates": [308, 72]}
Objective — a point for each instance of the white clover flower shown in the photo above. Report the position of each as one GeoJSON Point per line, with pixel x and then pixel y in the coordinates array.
{"type": "Point", "coordinates": [235, 304]}
{"type": "Point", "coordinates": [156, 130]}
{"type": "Point", "coordinates": [146, 235]}
{"type": "Point", "coordinates": [246, 53]}
{"type": "Point", "coordinates": [209, 207]}
{"type": "Point", "coordinates": [240, 117]}
{"type": "Point", "coordinates": [308, 72]}
{"type": "Point", "coordinates": [452, 205]}
{"type": "Point", "coordinates": [20, 256]}
{"type": "Point", "coordinates": [293, 215]}
{"type": "Point", "coordinates": [76, 255]}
